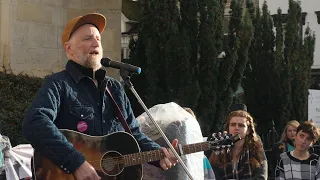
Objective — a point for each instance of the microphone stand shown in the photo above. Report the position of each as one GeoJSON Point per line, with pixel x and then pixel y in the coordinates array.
{"type": "Point", "coordinates": [126, 78]}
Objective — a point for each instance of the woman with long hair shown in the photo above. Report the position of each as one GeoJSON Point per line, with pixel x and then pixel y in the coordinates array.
{"type": "Point", "coordinates": [247, 159]}
{"type": "Point", "coordinates": [288, 135]}
{"type": "Point", "coordinates": [286, 143]}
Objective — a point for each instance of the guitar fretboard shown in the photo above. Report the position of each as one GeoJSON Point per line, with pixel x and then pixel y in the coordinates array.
{"type": "Point", "coordinates": [149, 156]}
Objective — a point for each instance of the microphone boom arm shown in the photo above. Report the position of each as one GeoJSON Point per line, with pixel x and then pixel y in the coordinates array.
{"type": "Point", "coordinates": [126, 78]}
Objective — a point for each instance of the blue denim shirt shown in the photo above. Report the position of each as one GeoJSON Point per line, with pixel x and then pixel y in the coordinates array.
{"type": "Point", "coordinates": [69, 97]}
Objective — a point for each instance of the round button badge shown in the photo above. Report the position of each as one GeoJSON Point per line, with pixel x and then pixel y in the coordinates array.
{"type": "Point", "coordinates": [82, 126]}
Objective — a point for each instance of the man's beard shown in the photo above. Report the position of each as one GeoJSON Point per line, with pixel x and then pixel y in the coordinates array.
{"type": "Point", "coordinates": [90, 62]}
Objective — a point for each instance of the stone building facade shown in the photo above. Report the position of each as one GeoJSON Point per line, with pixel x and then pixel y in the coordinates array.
{"type": "Point", "coordinates": [30, 33]}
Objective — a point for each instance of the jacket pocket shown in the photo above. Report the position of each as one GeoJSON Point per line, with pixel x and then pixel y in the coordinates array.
{"type": "Point", "coordinates": [83, 117]}
{"type": "Point", "coordinates": [82, 112]}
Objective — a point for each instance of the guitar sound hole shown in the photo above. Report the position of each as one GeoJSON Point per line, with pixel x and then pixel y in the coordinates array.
{"type": "Point", "coordinates": [112, 163]}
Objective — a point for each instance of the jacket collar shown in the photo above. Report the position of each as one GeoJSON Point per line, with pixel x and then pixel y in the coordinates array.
{"type": "Point", "coordinates": [77, 72]}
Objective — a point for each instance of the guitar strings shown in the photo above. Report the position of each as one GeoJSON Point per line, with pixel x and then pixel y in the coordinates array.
{"type": "Point", "coordinates": [121, 159]}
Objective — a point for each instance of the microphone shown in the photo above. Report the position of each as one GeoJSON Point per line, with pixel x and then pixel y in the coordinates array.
{"type": "Point", "coordinates": [107, 62]}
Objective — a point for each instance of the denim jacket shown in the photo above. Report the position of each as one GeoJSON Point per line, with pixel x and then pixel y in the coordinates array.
{"type": "Point", "coordinates": [71, 97]}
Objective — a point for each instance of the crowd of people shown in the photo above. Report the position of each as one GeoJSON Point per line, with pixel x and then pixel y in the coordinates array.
{"type": "Point", "coordinates": [292, 158]}
{"type": "Point", "coordinates": [84, 99]}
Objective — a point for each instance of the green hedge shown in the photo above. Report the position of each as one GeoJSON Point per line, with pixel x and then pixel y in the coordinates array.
{"type": "Point", "coordinates": [16, 94]}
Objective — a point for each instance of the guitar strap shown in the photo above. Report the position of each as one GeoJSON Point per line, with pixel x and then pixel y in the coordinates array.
{"type": "Point", "coordinates": [119, 113]}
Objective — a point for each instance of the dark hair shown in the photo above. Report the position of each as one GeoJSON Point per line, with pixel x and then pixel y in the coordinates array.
{"type": "Point", "coordinates": [309, 128]}
{"type": "Point", "coordinates": [189, 111]}
{"type": "Point", "coordinates": [237, 107]}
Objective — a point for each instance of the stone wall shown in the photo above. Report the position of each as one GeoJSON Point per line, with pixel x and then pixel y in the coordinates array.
{"type": "Point", "coordinates": [30, 33]}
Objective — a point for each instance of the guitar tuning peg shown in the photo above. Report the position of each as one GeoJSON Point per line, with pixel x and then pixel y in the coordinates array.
{"type": "Point", "coordinates": [222, 152]}
{"type": "Point", "coordinates": [213, 135]}
{"type": "Point", "coordinates": [219, 134]}
{"type": "Point", "coordinates": [228, 150]}
{"type": "Point", "coordinates": [217, 152]}
{"type": "Point", "coordinates": [223, 146]}
{"type": "Point", "coordinates": [225, 132]}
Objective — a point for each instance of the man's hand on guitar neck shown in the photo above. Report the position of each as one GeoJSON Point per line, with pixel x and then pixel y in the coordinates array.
{"type": "Point", "coordinates": [86, 172]}
{"type": "Point", "coordinates": [170, 160]}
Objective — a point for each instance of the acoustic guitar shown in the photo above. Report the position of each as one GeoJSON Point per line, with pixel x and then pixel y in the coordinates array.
{"type": "Point", "coordinates": [117, 156]}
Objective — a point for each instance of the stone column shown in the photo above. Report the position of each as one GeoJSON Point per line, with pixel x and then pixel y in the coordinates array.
{"type": "Point", "coordinates": [4, 37]}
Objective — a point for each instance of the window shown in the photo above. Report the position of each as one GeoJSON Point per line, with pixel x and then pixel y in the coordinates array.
{"type": "Point", "coordinates": [127, 53]}
{"type": "Point", "coordinates": [122, 55]}
{"type": "Point", "coordinates": [318, 16]}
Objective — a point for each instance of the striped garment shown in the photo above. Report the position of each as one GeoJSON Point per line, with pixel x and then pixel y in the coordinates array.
{"type": "Point", "coordinates": [291, 168]}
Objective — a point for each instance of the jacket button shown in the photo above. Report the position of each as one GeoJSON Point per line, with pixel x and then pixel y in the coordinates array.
{"type": "Point", "coordinates": [81, 115]}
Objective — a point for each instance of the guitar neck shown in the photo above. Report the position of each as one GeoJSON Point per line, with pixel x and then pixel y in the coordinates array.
{"type": "Point", "coordinates": [155, 155]}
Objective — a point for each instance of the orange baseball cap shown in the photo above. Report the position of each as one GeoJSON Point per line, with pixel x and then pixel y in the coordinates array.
{"type": "Point", "coordinates": [96, 19]}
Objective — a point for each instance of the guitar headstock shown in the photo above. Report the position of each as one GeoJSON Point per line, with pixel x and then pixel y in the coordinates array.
{"type": "Point", "coordinates": [221, 142]}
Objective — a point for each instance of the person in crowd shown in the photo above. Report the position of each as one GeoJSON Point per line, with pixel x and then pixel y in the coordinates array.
{"type": "Point", "coordinates": [247, 159]}
{"type": "Point", "coordinates": [300, 163]}
{"type": "Point", "coordinates": [234, 107]}
{"type": "Point", "coordinates": [286, 143]}
{"type": "Point", "coordinates": [208, 171]}
{"type": "Point", "coordinates": [80, 98]}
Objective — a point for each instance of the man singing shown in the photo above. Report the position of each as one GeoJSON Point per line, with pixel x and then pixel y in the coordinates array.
{"type": "Point", "coordinates": [76, 99]}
